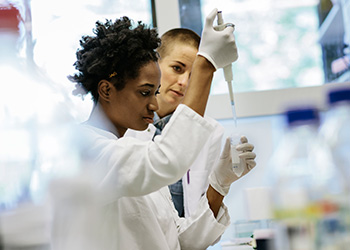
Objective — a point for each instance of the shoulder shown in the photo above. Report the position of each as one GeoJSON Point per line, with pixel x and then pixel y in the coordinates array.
{"type": "Point", "coordinates": [94, 132]}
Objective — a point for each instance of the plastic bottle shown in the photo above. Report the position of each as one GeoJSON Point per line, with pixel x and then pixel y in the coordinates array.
{"type": "Point", "coordinates": [335, 129]}
{"type": "Point", "coordinates": [307, 188]}
{"type": "Point", "coordinates": [335, 132]}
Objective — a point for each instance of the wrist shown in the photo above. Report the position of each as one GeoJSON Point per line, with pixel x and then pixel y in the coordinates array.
{"type": "Point", "coordinates": [215, 184]}
{"type": "Point", "coordinates": [205, 64]}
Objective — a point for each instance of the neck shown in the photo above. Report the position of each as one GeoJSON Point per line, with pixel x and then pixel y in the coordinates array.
{"type": "Point", "coordinates": [99, 119]}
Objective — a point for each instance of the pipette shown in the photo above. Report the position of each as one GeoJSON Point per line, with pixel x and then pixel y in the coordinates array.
{"type": "Point", "coordinates": [228, 74]}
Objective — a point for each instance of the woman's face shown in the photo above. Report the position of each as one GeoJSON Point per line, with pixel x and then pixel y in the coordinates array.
{"type": "Point", "coordinates": [133, 106]}
{"type": "Point", "coordinates": [176, 69]}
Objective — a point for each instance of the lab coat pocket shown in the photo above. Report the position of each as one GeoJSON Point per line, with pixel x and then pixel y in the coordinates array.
{"type": "Point", "coordinates": [195, 184]}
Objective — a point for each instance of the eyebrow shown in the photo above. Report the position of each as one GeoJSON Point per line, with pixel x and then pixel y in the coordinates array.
{"type": "Point", "coordinates": [147, 85]}
{"type": "Point", "coordinates": [179, 62]}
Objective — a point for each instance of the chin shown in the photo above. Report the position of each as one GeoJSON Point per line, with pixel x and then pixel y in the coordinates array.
{"type": "Point", "coordinates": [140, 128]}
{"type": "Point", "coordinates": [174, 102]}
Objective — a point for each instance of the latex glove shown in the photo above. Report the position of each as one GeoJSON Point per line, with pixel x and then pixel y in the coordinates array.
{"type": "Point", "coordinates": [223, 174]}
{"type": "Point", "coordinates": [218, 46]}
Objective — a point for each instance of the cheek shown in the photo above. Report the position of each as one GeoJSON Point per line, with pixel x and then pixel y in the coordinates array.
{"type": "Point", "coordinates": [124, 106]}
{"type": "Point", "coordinates": [167, 80]}
{"type": "Point", "coordinates": [131, 115]}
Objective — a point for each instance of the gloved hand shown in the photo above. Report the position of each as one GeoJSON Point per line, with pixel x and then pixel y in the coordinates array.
{"type": "Point", "coordinates": [223, 174]}
{"type": "Point", "coordinates": [218, 46]}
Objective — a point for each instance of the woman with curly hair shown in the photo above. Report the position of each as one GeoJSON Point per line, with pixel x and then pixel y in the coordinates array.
{"type": "Point", "coordinates": [119, 67]}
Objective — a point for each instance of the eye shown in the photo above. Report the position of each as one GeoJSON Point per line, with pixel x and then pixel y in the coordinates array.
{"type": "Point", "coordinates": [157, 91]}
{"type": "Point", "coordinates": [145, 92]}
{"type": "Point", "coordinates": [177, 68]}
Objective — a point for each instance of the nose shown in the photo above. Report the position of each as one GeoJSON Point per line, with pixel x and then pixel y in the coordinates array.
{"type": "Point", "coordinates": [184, 79]}
{"type": "Point", "coordinates": [153, 105]}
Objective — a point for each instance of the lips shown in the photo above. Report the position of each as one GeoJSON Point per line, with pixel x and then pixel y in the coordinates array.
{"type": "Point", "coordinates": [177, 93]}
{"type": "Point", "coordinates": [148, 119]}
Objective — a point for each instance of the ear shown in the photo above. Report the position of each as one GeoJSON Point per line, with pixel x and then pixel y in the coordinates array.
{"type": "Point", "coordinates": [104, 90]}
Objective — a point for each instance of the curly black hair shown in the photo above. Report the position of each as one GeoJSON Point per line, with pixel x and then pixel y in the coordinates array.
{"type": "Point", "coordinates": [116, 53]}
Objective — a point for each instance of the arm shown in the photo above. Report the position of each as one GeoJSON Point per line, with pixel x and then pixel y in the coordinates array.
{"type": "Point", "coordinates": [130, 167]}
{"type": "Point", "coordinates": [214, 197]}
{"type": "Point", "coordinates": [216, 193]}
{"type": "Point", "coordinates": [206, 228]}
{"type": "Point", "coordinates": [214, 200]}
{"type": "Point", "coordinates": [199, 87]}
{"type": "Point", "coordinates": [211, 218]}
{"type": "Point", "coordinates": [216, 50]}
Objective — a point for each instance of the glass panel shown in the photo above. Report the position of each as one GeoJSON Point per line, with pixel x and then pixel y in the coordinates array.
{"type": "Point", "coordinates": [277, 43]}
{"type": "Point", "coordinates": [191, 15]}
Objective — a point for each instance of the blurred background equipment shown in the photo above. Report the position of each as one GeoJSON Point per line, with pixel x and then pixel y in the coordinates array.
{"type": "Point", "coordinates": [37, 135]}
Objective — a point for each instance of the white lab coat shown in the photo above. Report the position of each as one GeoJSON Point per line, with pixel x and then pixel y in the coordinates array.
{"type": "Point", "coordinates": [195, 181]}
{"type": "Point", "coordinates": [138, 212]}
{"type": "Point", "coordinates": [122, 172]}
{"type": "Point", "coordinates": [151, 222]}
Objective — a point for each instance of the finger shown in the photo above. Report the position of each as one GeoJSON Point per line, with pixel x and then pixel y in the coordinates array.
{"type": "Point", "coordinates": [245, 147]}
{"type": "Point", "coordinates": [227, 148]}
{"type": "Point", "coordinates": [244, 139]}
{"type": "Point", "coordinates": [230, 25]}
{"type": "Point", "coordinates": [210, 18]}
{"type": "Point", "coordinates": [219, 27]}
{"type": "Point", "coordinates": [247, 155]}
{"type": "Point", "coordinates": [229, 30]}
{"type": "Point", "coordinates": [246, 170]}
{"type": "Point", "coordinates": [251, 164]}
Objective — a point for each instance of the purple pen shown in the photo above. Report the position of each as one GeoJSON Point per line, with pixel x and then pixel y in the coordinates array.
{"type": "Point", "coordinates": [188, 176]}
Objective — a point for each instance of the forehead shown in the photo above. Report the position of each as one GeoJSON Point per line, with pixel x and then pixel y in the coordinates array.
{"type": "Point", "coordinates": [148, 74]}
{"type": "Point", "coordinates": [181, 51]}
